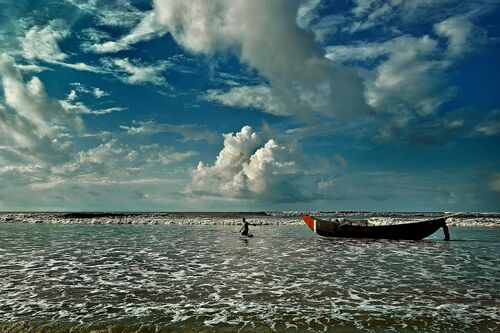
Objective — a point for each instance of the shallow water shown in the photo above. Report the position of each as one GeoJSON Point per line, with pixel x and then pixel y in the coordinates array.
{"type": "Point", "coordinates": [139, 278]}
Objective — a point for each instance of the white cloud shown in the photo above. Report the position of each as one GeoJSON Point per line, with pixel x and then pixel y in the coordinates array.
{"type": "Point", "coordinates": [14, 131]}
{"type": "Point", "coordinates": [37, 134]}
{"type": "Point", "coordinates": [80, 108]}
{"type": "Point", "coordinates": [80, 66]}
{"type": "Point", "coordinates": [31, 68]}
{"type": "Point", "coordinates": [246, 168]}
{"type": "Point", "coordinates": [375, 15]}
{"type": "Point", "coordinates": [42, 42]}
{"type": "Point", "coordinates": [362, 7]}
{"type": "Point", "coordinates": [369, 14]}
{"type": "Point", "coordinates": [225, 174]}
{"type": "Point", "coordinates": [188, 131]}
{"type": "Point", "coordinates": [133, 72]}
{"type": "Point", "coordinates": [306, 13]}
{"type": "Point", "coordinates": [265, 36]}
{"type": "Point", "coordinates": [94, 91]}
{"type": "Point", "coordinates": [489, 128]}
{"type": "Point", "coordinates": [408, 80]}
{"type": "Point", "coordinates": [147, 29]}
{"type": "Point", "coordinates": [272, 171]}
{"type": "Point", "coordinates": [72, 96]}
{"type": "Point", "coordinates": [109, 152]}
{"type": "Point", "coordinates": [91, 36]}
{"type": "Point", "coordinates": [110, 175]}
{"type": "Point", "coordinates": [107, 47]}
{"type": "Point", "coordinates": [165, 157]}
{"type": "Point", "coordinates": [46, 116]}
{"type": "Point", "coordinates": [76, 107]}
{"type": "Point", "coordinates": [98, 93]}
{"type": "Point", "coordinates": [258, 97]}
{"type": "Point", "coordinates": [116, 161]}
{"type": "Point", "coordinates": [36, 131]}
{"type": "Point", "coordinates": [406, 76]}
{"type": "Point", "coordinates": [110, 13]}
{"type": "Point", "coordinates": [458, 30]}
{"type": "Point", "coordinates": [360, 51]}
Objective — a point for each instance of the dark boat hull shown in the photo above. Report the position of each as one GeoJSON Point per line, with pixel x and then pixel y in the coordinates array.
{"type": "Point", "coordinates": [408, 231]}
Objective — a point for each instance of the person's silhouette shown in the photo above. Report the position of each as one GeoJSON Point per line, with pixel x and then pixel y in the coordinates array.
{"type": "Point", "coordinates": [244, 228]}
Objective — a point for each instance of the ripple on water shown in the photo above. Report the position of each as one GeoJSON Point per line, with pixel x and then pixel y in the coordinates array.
{"type": "Point", "coordinates": [185, 278]}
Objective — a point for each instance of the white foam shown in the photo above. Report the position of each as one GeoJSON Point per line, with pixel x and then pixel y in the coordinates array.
{"type": "Point", "coordinates": [272, 218]}
{"type": "Point", "coordinates": [208, 276]}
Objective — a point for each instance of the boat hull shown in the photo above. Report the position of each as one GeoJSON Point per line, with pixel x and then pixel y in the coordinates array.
{"type": "Point", "coordinates": [408, 231]}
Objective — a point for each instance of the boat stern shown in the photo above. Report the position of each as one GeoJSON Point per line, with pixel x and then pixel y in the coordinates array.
{"type": "Point", "coordinates": [310, 221]}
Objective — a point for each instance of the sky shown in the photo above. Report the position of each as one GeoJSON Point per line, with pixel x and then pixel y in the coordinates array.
{"type": "Point", "coordinates": [236, 105]}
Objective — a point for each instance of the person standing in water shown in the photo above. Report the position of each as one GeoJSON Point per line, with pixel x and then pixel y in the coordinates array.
{"type": "Point", "coordinates": [244, 228]}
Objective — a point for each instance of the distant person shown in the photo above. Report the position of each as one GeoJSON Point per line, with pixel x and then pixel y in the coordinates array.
{"type": "Point", "coordinates": [244, 228]}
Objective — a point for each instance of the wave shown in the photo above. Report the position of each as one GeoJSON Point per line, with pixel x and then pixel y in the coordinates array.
{"type": "Point", "coordinates": [469, 219]}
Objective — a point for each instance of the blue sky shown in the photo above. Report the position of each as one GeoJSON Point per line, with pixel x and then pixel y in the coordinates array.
{"type": "Point", "coordinates": [249, 105]}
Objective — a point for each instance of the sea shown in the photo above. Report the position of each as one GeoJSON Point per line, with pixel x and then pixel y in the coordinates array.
{"type": "Point", "coordinates": [196, 273]}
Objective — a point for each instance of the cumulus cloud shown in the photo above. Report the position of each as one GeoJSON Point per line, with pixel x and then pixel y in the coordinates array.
{"type": "Point", "coordinates": [225, 174]}
{"type": "Point", "coordinates": [272, 170]}
{"type": "Point", "coordinates": [266, 37]}
{"type": "Point", "coordinates": [246, 167]}
{"type": "Point", "coordinates": [134, 72]}
{"type": "Point", "coordinates": [189, 132]}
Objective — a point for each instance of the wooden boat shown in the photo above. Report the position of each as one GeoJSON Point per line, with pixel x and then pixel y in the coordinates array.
{"type": "Point", "coordinates": [410, 231]}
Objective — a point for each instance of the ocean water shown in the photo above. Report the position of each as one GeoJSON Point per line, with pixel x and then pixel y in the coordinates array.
{"type": "Point", "coordinates": [203, 278]}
